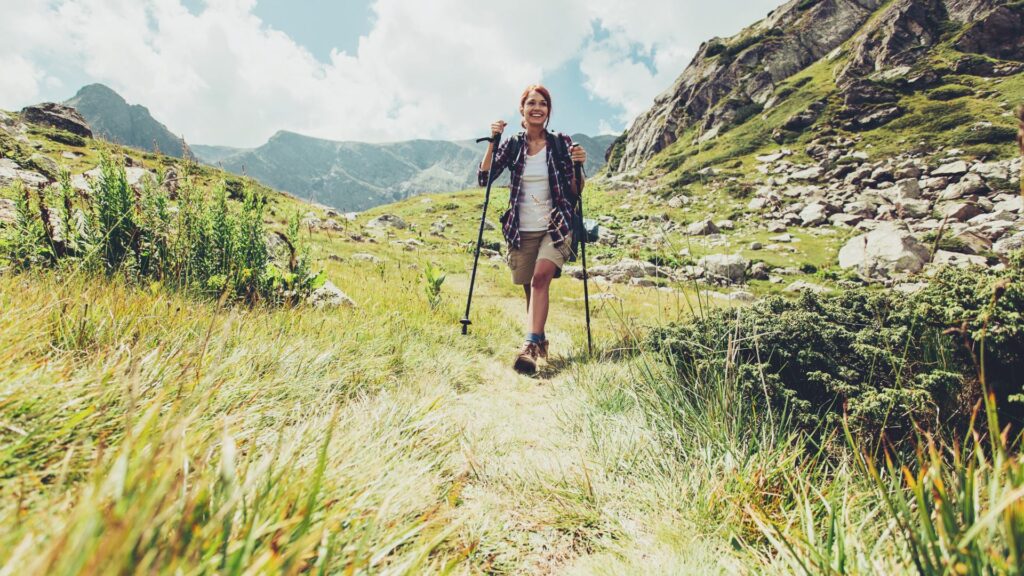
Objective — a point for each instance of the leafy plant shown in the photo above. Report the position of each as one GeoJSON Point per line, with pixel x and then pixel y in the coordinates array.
{"type": "Point", "coordinates": [434, 277]}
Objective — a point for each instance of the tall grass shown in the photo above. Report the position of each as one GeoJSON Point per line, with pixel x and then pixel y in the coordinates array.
{"type": "Point", "coordinates": [141, 431]}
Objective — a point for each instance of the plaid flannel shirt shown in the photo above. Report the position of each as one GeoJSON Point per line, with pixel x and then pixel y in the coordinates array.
{"type": "Point", "coordinates": [560, 177]}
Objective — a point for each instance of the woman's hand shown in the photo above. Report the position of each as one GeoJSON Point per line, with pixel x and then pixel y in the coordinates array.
{"type": "Point", "coordinates": [578, 154]}
{"type": "Point", "coordinates": [497, 127]}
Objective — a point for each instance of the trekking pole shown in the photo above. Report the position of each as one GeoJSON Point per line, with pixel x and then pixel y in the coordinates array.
{"type": "Point", "coordinates": [578, 168]}
{"type": "Point", "coordinates": [494, 139]}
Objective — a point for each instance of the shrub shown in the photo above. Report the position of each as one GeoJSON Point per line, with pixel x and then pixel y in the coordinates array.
{"type": "Point", "coordinates": [885, 359]}
{"type": "Point", "coordinates": [985, 135]}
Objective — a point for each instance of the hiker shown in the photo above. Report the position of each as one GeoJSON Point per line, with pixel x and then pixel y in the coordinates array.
{"type": "Point", "coordinates": [542, 198]}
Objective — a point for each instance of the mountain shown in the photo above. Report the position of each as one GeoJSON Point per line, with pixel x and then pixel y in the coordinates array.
{"type": "Point", "coordinates": [840, 66]}
{"type": "Point", "coordinates": [357, 175]}
{"type": "Point", "coordinates": [113, 119]}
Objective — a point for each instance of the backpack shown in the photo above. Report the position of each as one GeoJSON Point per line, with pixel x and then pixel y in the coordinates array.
{"type": "Point", "coordinates": [584, 230]}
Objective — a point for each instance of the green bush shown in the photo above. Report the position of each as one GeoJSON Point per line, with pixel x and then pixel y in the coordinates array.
{"type": "Point", "coordinates": [209, 247]}
{"type": "Point", "coordinates": [887, 360]}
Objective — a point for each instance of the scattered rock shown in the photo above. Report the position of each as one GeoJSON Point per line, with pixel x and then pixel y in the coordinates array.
{"type": "Point", "coordinates": [58, 116]}
{"type": "Point", "coordinates": [804, 286]}
{"type": "Point", "coordinates": [732, 267]}
{"type": "Point", "coordinates": [329, 296]}
{"type": "Point", "coordinates": [702, 228]}
{"type": "Point", "coordinates": [387, 221]}
{"type": "Point", "coordinates": [946, 258]}
{"type": "Point", "coordinates": [363, 257]}
{"type": "Point", "coordinates": [956, 168]}
{"type": "Point", "coordinates": [887, 250]}
{"type": "Point", "coordinates": [8, 212]}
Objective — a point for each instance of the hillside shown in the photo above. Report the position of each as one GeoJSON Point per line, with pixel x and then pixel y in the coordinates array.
{"type": "Point", "coordinates": [202, 374]}
{"type": "Point", "coordinates": [356, 176]}
{"type": "Point", "coordinates": [113, 119]}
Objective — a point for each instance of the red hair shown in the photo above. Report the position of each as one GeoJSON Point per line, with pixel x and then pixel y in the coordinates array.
{"type": "Point", "coordinates": [540, 89]}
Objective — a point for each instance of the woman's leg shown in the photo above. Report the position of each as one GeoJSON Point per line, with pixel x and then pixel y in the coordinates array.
{"type": "Point", "coordinates": [543, 273]}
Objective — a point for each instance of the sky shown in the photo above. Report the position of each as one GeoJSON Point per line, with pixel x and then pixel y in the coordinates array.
{"type": "Point", "coordinates": [234, 72]}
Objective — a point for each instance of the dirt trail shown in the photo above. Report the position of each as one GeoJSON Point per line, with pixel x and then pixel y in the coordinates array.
{"type": "Point", "coordinates": [520, 461]}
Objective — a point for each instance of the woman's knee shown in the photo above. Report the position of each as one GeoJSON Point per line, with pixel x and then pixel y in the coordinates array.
{"type": "Point", "coordinates": [542, 276]}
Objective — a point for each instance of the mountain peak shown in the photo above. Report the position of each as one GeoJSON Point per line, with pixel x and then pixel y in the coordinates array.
{"type": "Point", "coordinates": [112, 118]}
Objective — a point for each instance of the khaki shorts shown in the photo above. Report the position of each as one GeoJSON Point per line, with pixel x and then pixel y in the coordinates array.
{"type": "Point", "coordinates": [536, 246]}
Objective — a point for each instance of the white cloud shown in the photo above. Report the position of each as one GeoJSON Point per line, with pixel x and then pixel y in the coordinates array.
{"type": "Point", "coordinates": [439, 69]}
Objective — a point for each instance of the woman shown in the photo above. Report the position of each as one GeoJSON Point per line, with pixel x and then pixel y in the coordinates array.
{"type": "Point", "coordinates": [542, 201]}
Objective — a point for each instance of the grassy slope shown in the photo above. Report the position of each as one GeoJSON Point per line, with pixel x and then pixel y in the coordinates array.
{"type": "Point", "coordinates": [149, 429]}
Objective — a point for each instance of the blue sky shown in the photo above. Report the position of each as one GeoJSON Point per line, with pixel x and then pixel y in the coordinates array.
{"type": "Point", "coordinates": [233, 72]}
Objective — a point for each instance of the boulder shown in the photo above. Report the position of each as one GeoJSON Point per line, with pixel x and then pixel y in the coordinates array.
{"type": "Point", "coordinates": [814, 214]}
{"type": "Point", "coordinates": [58, 116]}
{"type": "Point", "coordinates": [702, 228]}
{"type": "Point", "coordinates": [812, 173]}
{"type": "Point", "coordinates": [387, 221]}
{"type": "Point", "coordinates": [959, 211]}
{"type": "Point", "coordinates": [913, 208]}
{"type": "Point", "coordinates": [329, 296]}
{"type": "Point", "coordinates": [804, 286]}
{"type": "Point", "coordinates": [957, 168]}
{"type": "Point", "coordinates": [946, 258]}
{"type": "Point", "coordinates": [732, 267]}
{"type": "Point", "coordinates": [888, 250]}
{"type": "Point", "coordinates": [1008, 244]}
{"type": "Point", "coordinates": [969, 185]}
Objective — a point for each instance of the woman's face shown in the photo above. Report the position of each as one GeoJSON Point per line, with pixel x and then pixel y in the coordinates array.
{"type": "Point", "coordinates": [535, 110]}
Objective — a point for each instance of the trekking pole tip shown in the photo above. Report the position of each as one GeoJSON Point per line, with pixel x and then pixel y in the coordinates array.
{"type": "Point", "coordinates": [465, 325]}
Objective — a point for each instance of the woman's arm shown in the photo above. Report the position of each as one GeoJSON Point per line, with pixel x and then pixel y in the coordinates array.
{"type": "Point", "coordinates": [500, 158]}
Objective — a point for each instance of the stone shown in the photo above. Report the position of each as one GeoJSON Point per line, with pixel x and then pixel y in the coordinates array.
{"type": "Point", "coordinates": [804, 286]}
{"type": "Point", "coordinates": [996, 170]}
{"type": "Point", "coordinates": [759, 271]}
{"type": "Point", "coordinates": [907, 188]}
{"type": "Point", "coordinates": [756, 246]}
{"type": "Point", "coordinates": [956, 168]}
{"type": "Point", "coordinates": [911, 208]}
{"type": "Point", "coordinates": [1008, 244]}
{"type": "Point", "coordinates": [678, 201]}
{"type": "Point", "coordinates": [905, 172]}
{"type": "Point", "coordinates": [701, 228]}
{"type": "Point", "coordinates": [769, 158]}
{"type": "Point", "coordinates": [329, 296]}
{"type": "Point", "coordinates": [757, 203]}
{"type": "Point", "coordinates": [642, 282]}
{"type": "Point", "coordinates": [969, 185]}
{"type": "Point", "coordinates": [725, 225]}
{"type": "Point", "coordinates": [888, 250]}
{"type": "Point", "coordinates": [57, 116]}
{"type": "Point", "coordinates": [934, 183]}
{"type": "Point", "coordinates": [813, 214]}
{"type": "Point", "coordinates": [625, 269]}
{"type": "Point", "coordinates": [1014, 204]}
{"type": "Point", "coordinates": [812, 173]}
{"type": "Point", "coordinates": [363, 257]}
{"type": "Point", "coordinates": [387, 221]}
{"type": "Point", "coordinates": [959, 211]}
{"type": "Point", "coordinates": [845, 220]}
{"type": "Point", "coordinates": [8, 212]}
{"type": "Point", "coordinates": [732, 267]}
{"type": "Point", "coordinates": [782, 238]}
{"type": "Point", "coordinates": [946, 258]}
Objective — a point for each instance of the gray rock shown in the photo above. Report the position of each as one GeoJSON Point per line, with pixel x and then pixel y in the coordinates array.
{"type": "Point", "coordinates": [8, 212]}
{"type": "Point", "coordinates": [759, 271]}
{"type": "Point", "coordinates": [387, 221]}
{"type": "Point", "coordinates": [804, 286]}
{"type": "Point", "coordinates": [1015, 204]}
{"type": "Point", "coordinates": [701, 228]}
{"type": "Point", "coordinates": [329, 296]}
{"type": "Point", "coordinates": [678, 201]}
{"type": "Point", "coordinates": [814, 214]}
{"type": "Point", "coordinates": [363, 257]}
{"type": "Point", "coordinates": [732, 267]}
{"type": "Point", "coordinates": [969, 185]}
{"type": "Point", "coordinates": [958, 211]}
{"type": "Point", "coordinates": [58, 116]}
{"type": "Point", "coordinates": [911, 208]}
{"type": "Point", "coordinates": [997, 170]}
{"type": "Point", "coordinates": [946, 258]}
{"type": "Point", "coordinates": [1009, 244]}
{"type": "Point", "coordinates": [956, 168]}
{"type": "Point", "coordinates": [888, 250]}
{"type": "Point", "coordinates": [845, 220]}
{"type": "Point", "coordinates": [812, 173]}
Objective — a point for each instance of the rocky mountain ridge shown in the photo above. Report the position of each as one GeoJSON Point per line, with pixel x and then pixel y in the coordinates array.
{"type": "Point", "coordinates": [113, 119]}
{"type": "Point", "coordinates": [881, 50]}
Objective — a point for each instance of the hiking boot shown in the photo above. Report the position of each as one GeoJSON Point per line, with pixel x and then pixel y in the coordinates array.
{"type": "Point", "coordinates": [542, 350]}
{"type": "Point", "coordinates": [526, 360]}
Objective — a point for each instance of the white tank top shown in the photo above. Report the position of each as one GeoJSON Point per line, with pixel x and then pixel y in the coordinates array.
{"type": "Point", "coordinates": [535, 194]}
